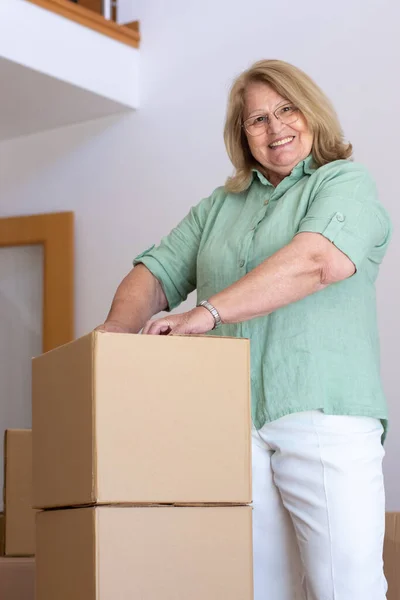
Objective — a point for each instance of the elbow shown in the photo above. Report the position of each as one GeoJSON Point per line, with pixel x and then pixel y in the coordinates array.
{"type": "Point", "coordinates": [327, 263]}
{"type": "Point", "coordinates": [336, 268]}
{"type": "Point", "coordinates": [316, 270]}
{"type": "Point", "coordinates": [161, 298]}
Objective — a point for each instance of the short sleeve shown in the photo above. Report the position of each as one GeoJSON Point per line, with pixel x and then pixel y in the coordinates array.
{"type": "Point", "coordinates": [346, 210]}
{"type": "Point", "coordinates": [174, 261]}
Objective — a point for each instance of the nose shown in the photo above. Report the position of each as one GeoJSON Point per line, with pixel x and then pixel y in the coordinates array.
{"type": "Point", "coordinates": [275, 125]}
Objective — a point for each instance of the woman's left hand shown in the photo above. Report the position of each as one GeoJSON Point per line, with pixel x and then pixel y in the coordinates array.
{"type": "Point", "coordinates": [196, 321]}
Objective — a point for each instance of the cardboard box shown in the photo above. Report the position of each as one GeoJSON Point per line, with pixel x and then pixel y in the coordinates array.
{"type": "Point", "coordinates": [17, 578]}
{"type": "Point", "coordinates": [1, 534]}
{"type": "Point", "coordinates": [18, 512]}
{"type": "Point", "coordinates": [146, 553]}
{"type": "Point", "coordinates": [120, 418]}
{"type": "Point", "coordinates": [391, 555]}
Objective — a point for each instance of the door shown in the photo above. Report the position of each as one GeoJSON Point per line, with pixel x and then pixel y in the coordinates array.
{"type": "Point", "coordinates": [36, 307]}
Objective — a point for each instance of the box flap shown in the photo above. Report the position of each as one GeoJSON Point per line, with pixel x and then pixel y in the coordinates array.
{"type": "Point", "coordinates": [62, 403]}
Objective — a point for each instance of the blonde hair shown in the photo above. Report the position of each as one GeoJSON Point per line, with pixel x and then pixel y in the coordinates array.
{"type": "Point", "coordinates": [297, 87]}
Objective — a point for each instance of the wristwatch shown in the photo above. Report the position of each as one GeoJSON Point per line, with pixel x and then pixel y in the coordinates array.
{"type": "Point", "coordinates": [217, 319]}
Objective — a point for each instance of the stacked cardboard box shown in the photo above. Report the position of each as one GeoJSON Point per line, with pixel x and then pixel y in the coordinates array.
{"type": "Point", "coordinates": [2, 534]}
{"type": "Point", "coordinates": [141, 466]}
{"type": "Point", "coordinates": [17, 525]}
{"type": "Point", "coordinates": [17, 578]}
{"type": "Point", "coordinates": [391, 555]}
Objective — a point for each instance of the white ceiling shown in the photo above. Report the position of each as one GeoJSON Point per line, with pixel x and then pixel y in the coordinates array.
{"type": "Point", "coordinates": [31, 101]}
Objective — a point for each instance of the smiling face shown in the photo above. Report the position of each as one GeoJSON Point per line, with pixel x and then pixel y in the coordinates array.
{"type": "Point", "coordinates": [279, 147]}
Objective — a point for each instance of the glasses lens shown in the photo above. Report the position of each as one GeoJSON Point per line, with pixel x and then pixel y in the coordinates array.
{"type": "Point", "coordinates": [287, 113]}
{"type": "Point", "coordinates": [256, 125]}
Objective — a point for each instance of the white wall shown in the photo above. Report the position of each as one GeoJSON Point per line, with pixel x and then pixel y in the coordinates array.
{"type": "Point", "coordinates": [130, 179]}
{"type": "Point", "coordinates": [128, 10]}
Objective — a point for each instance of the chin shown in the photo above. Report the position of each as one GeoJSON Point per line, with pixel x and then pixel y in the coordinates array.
{"type": "Point", "coordinates": [285, 161]}
{"type": "Point", "coordinates": [287, 157]}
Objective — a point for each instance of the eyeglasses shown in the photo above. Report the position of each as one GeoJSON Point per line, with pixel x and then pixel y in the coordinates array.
{"type": "Point", "coordinates": [260, 124]}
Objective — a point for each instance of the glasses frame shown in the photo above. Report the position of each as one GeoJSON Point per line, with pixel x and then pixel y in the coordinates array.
{"type": "Point", "coordinates": [268, 123]}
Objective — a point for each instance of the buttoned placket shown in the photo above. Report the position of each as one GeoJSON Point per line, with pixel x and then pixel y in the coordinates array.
{"type": "Point", "coordinates": [268, 203]}
{"type": "Point", "coordinates": [254, 220]}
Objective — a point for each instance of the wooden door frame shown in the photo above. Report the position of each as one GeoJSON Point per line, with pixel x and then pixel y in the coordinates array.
{"type": "Point", "coordinates": [55, 232]}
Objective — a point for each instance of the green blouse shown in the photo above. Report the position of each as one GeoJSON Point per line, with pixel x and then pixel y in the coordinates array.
{"type": "Point", "coordinates": [321, 352]}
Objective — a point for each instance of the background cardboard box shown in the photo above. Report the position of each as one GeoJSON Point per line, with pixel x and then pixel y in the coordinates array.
{"type": "Point", "coordinates": [17, 579]}
{"type": "Point", "coordinates": [1, 534]}
{"type": "Point", "coordinates": [120, 418]}
{"type": "Point", "coordinates": [391, 555]}
{"type": "Point", "coordinates": [19, 516]}
{"type": "Point", "coordinates": [151, 553]}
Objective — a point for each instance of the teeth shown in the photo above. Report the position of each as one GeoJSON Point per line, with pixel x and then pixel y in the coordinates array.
{"type": "Point", "coordinates": [281, 142]}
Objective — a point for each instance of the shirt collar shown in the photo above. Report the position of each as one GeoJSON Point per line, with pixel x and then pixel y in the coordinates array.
{"type": "Point", "coordinates": [304, 167]}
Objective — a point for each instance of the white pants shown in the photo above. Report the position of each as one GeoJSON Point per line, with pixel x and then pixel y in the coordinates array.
{"type": "Point", "coordinates": [319, 508]}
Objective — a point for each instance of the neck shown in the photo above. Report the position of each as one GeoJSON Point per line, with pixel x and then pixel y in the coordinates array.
{"type": "Point", "coordinates": [275, 178]}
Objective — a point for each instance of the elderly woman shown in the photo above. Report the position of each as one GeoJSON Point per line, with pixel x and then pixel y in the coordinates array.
{"type": "Point", "coordinates": [287, 254]}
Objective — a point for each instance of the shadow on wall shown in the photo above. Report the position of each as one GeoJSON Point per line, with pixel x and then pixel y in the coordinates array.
{"type": "Point", "coordinates": [26, 160]}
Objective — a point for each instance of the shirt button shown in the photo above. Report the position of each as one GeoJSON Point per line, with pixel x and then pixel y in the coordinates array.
{"type": "Point", "coordinates": [340, 217]}
{"type": "Point", "coordinates": [266, 202]}
{"type": "Point", "coordinates": [241, 263]}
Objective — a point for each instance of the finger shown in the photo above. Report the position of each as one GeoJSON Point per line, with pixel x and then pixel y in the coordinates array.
{"type": "Point", "coordinates": [163, 330]}
{"type": "Point", "coordinates": [161, 326]}
{"type": "Point", "coordinates": [151, 327]}
{"type": "Point", "coordinates": [146, 327]}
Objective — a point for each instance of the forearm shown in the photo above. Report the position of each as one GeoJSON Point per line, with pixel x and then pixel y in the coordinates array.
{"type": "Point", "coordinates": [138, 298]}
{"type": "Point", "coordinates": [287, 276]}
